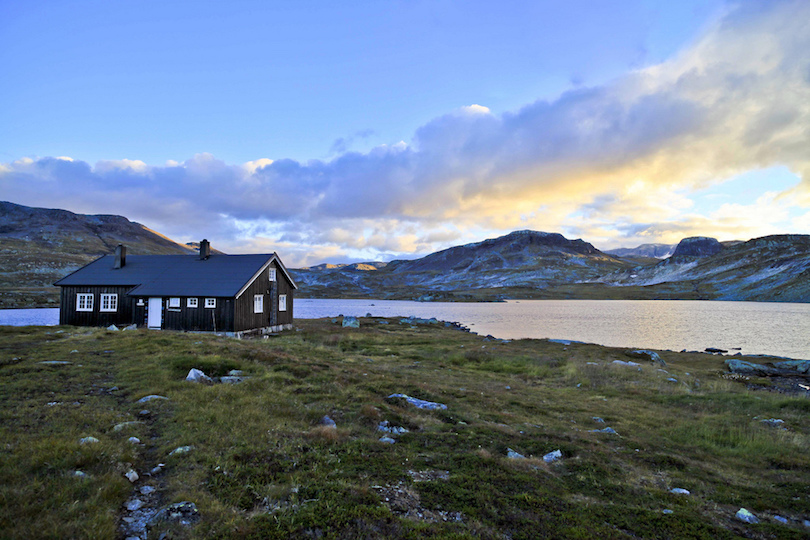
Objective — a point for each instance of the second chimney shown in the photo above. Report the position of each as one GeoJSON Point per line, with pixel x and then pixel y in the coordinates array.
{"type": "Point", "coordinates": [205, 250]}
{"type": "Point", "coordinates": [120, 256]}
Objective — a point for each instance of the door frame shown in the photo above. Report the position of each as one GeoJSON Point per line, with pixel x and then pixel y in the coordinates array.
{"type": "Point", "coordinates": [154, 308]}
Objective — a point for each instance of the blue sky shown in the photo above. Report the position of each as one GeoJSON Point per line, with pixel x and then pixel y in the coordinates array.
{"type": "Point", "coordinates": [375, 130]}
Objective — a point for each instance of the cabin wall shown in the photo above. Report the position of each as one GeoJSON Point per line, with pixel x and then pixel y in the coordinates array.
{"type": "Point", "coordinates": [123, 316]}
{"type": "Point", "coordinates": [285, 287]}
{"type": "Point", "coordinates": [246, 319]}
{"type": "Point", "coordinates": [190, 319]}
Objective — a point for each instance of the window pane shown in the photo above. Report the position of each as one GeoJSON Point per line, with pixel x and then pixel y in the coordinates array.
{"type": "Point", "coordinates": [282, 302]}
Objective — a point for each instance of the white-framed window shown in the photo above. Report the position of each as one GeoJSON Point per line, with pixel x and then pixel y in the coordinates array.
{"type": "Point", "coordinates": [84, 302]}
{"type": "Point", "coordinates": [210, 302]}
{"type": "Point", "coordinates": [258, 303]}
{"type": "Point", "coordinates": [282, 302]}
{"type": "Point", "coordinates": [174, 302]}
{"type": "Point", "coordinates": [109, 302]}
{"type": "Point", "coordinates": [191, 302]}
{"type": "Point", "coordinates": [271, 274]}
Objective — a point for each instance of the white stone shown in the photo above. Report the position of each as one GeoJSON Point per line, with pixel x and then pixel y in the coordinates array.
{"type": "Point", "coordinates": [195, 375]}
{"type": "Point", "coordinates": [746, 516]}
{"type": "Point", "coordinates": [132, 476]}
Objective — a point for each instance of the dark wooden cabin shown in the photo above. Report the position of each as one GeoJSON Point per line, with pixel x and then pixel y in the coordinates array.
{"type": "Point", "coordinates": [210, 292]}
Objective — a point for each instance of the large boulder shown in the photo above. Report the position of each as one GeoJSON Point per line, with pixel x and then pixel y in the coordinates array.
{"type": "Point", "coordinates": [643, 354]}
{"type": "Point", "coordinates": [744, 367]}
{"type": "Point", "coordinates": [351, 322]}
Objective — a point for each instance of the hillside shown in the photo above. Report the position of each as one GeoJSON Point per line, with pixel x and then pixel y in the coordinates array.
{"type": "Point", "coordinates": [772, 268]}
{"type": "Point", "coordinates": [38, 246]}
{"type": "Point", "coordinates": [529, 264]}
{"type": "Point", "coordinates": [104, 438]}
{"type": "Point", "coordinates": [521, 263]}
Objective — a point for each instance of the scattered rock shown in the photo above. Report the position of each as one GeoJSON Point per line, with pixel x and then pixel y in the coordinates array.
{"type": "Point", "coordinates": [419, 403]}
{"type": "Point", "coordinates": [132, 476]}
{"type": "Point", "coordinates": [386, 439]}
{"type": "Point", "coordinates": [667, 511]}
{"type": "Point", "coordinates": [799, 366]}
{"type": "Point", "coordinates": [511, 454]}
{"type": "Point", "coordinates": [125, 425]}
{"type": "Point", "coordinates": [236, 373]}
{"type": "Point", "coordinates": [55, 362]}
{"type": "Point", "coordinates": [552, 456]}
{"type": "Point", "coordinates": [180, 450]}
{"type": "Point", "coordinates": [133, 504]}
{"type": "Point", "coordinates": [782, 520]}
{"type": "Point", "coordinates": [388, 428]}
{"type": "Point", "coordinates": [429, 476]}
{"type": "Point", "coordinates": [157, 469]}
{"type": "Point", "coordinates": [231, 379]}
{"type": "Point", "coordinates": [112, 328]}
{"type": "Point", "coordinates": [351, 322]}
{"type": "Point", "coordinates": [623, 363]}
{"type": "Point", "coordinates": [80, 474]}
{"type": "Point", "coordinates": [88, 440]}
{"type": "Point", "coordinates": [134, 440]}
{"type": "Point", "coordinates": [672, 379]}
{"type": "Point", "coordinates": [150, 398]}
{"type": "Point", "coordinates": [604, 430]}
{"type": "Point", "coordinates": [744, 367]}
{"type": "Point", "coordinates": [184, 513]}
{"type": "Point", "coordinates": [196, 375]}
{"type": "Point", "coordinates": [644, 354]}
{"type": "Point", "coordinates": [146, 490]}
{"type": "Point", "coordinates": [679, 491]}
{"type": "Point", "coordinates": [746, 516]}
{"type": "Point", "coordinates": [417, 320]}
{"type": "Point", "coordinates": [144, 412]}
{"type": "Point", "coordinates": [774, 422]}
{"type": "Point", "coordinates": [328, 422]}
{"type": "Point", "coordinates": [131, 327]}
{"type": "Point", "coordinates": [715, 350]}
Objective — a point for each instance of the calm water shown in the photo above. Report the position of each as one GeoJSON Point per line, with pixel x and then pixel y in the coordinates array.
{"type": "Point", "coordinates": [755, 327]}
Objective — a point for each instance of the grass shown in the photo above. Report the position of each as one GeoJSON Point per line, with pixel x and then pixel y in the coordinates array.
{"type": "Point", "coordinates": [262, 466]}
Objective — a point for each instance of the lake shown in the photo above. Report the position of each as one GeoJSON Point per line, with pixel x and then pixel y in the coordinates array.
{"type": "Point", "coordinates": [779, 329]}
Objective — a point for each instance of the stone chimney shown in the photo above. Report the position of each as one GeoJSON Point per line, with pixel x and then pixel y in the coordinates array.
{"type": "Point", "coordinates": [120, 256]}
{"type": "Point", "coordinates": [205, 250]}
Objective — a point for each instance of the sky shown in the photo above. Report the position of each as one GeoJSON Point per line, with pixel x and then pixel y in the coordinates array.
{"type": "Point", "coordinates": [375, 130]}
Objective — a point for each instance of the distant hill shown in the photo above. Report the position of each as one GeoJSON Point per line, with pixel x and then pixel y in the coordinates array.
{"type": "Point", "coordinates": [652, 251]}
{"type": "Point", "coordinates": [531, 264]}
{"type": "Point", "coordinates": [519, 264]}
{"type": "Point", "coordinates": [772, 268]}
{"type": "Point", "coordinates": [39, 246]}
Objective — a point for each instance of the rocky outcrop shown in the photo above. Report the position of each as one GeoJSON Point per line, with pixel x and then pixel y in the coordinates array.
{"type": "Point", "coordinates": [698, 246]}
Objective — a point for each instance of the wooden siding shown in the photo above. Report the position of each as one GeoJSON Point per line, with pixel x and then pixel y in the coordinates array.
{"type": "Point", "coordinates": [284, 287]}
{"type": "Point", "coordinates": [123, 316]}
{"type": "Point", "coordinates": [196, 319]}
{"type": "Point", "coordinates": [246, 319]}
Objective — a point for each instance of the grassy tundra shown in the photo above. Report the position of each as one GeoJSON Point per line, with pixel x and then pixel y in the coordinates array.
{"type": "Point", "coordinates": [260, 464]}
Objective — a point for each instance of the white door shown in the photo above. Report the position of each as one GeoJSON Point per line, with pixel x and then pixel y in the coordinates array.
{"type": "Point", "coordinates": [154, 313]}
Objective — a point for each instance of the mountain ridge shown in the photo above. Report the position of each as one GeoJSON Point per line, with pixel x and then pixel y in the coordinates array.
{"type": "Point", "coordinates": [39, 246]}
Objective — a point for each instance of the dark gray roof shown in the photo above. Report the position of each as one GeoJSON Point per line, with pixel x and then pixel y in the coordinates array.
{"type": "Point", "coordinates": [176, 275]}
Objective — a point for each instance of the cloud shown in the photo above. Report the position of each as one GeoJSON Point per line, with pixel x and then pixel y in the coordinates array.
{"type": "Point", "coordinates": [619, 162]}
